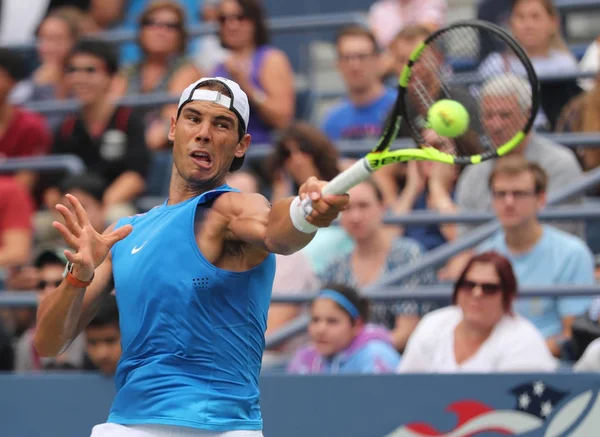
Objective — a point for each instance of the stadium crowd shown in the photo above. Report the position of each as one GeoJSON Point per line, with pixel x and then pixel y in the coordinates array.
{"type": "Point", "coordinates": [484, 327]}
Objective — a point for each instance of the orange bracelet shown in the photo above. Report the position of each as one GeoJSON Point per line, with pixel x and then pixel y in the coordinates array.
{"type": "Point", "coordinates": [76, 282]}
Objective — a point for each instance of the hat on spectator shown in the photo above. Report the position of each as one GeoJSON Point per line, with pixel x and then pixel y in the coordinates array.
{"type": "Point", "coordinates": [238, 103]}
{"type": "Point", "coordinates": [89, 183]}
{"type": "Point", "coordinates": [49, 255]}
{"type": "Point", "coordinates": [13, 63]}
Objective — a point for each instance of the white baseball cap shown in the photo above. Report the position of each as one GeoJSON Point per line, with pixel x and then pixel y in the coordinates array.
{"type": "Point", "coordinates": [238, 103]}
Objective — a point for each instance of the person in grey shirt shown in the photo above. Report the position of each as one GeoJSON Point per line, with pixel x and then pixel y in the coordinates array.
{"type": "Point", "coordinates": [504, 111]}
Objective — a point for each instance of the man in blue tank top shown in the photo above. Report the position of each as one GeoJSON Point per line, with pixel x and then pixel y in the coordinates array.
{"type": "Point", "coordinates": [193, 280]}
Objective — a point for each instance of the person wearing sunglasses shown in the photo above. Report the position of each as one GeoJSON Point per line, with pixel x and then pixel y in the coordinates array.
{"type": "Point", "coordinates": [480, 332]}
{"type": "Point", "coordinates": [47, 268]}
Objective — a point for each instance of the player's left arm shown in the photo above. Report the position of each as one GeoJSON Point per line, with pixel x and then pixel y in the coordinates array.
{"type": "Point", "coordinates": [252, 219]}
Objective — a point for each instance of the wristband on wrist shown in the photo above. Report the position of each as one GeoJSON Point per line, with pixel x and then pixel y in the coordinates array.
{"type": "Point", "coordinates": [297, 217]}
{"type": "Point", "coordinates": [72, 280]}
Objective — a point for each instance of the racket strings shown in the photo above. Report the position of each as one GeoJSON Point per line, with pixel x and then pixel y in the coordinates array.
{"type": "Point", "coordinates": [491, 85]}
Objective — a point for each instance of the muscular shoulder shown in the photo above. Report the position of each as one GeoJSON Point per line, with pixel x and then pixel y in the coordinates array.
{"type": "Point", "coordinates": [233, 204]}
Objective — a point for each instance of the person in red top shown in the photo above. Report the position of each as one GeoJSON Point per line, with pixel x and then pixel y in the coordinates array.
{"type": "Point", "coordinates": [16, 230]}
{"type": "Point", "coordinates": [22, 133]}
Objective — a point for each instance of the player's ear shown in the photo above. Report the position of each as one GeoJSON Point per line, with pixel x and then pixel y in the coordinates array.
{"type": "Point", "coordinates": [171, 135]}
{"type": "Point", "coordinates": [242, 146]}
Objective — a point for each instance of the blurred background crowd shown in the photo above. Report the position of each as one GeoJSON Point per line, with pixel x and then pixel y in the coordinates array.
{"type": "Point", "coordinates": [79, 90]}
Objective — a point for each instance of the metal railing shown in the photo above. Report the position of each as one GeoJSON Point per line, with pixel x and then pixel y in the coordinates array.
{"type": "Point", "coordinates": [72, 164]}
{"type": "Point", "coordinates": [438, 256]}
{"type": "Point", "coordinates": [566, 6]}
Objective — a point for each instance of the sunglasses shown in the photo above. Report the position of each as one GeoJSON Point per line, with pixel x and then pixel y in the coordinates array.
{"type": "Point", "coordinates": [487, 288]}
{"type": "Point", "coordinates": [517, 194]}
{"type": "Point", "coordinates": [285, 152]}
{"type": "Point", "coordinates": [231, 17]}
{"type": "Point", "coordinates": [44, 284]}
{"type": "Point", "coordinates": [170, 25]}
{"type": "Point", "coordinates": [89, 69]}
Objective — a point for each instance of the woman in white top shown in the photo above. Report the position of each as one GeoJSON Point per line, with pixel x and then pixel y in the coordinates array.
{"type": "Point", "coordinates": [480, 332]}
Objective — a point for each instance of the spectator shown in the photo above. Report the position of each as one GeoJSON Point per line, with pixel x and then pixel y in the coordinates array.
{"type": "Point", "coordinates": [535, 24]}
{"type": "Point", "coordinates": [342, 342]}
{"type": "Point", "coordinates": [362, 112]}
{"type": "Point", "coordinates": [500, 114]}
{"type": "Point", "coordinates": [103, 15]}
{"type": "Point", "coordinates": [480, 332]}
{"type": "Point", "coordinates": [294, 275]}
{"type": "Point", "coordinates": [163, 67]}
{"type": "Point", "coordinates": [262, 71]}
{"type": "Point", "coordinates": [22, 133]}
{"type": "Point", "coordinates": [400, 48]}
{"type": "Point", "coordinates": [49, 265]}
{"type": "Point", "coordinates": [108, 139]}
{"type": "Point", "coordinates": [387, 17]}
{"type": "Point", "coordinates": [540, 254]}
{"type": "Point", "coordinates": [377, 252]}
{"type": "Point", "coordinates": [16, 231]}
{"type": "Point", "coordinates": [590, 361]}
{"type": "Point", "coordinates": [210, 52]}
{"type": "Point", "coordinates": [303, 151]}
{"type": "Point", "coordinates": [103, 338]}
{"type": "Point", "coordinates": [55, 38]}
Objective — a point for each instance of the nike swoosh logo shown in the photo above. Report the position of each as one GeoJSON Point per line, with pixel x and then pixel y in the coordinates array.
{"type": "Point", "coordinates": [137, 249]}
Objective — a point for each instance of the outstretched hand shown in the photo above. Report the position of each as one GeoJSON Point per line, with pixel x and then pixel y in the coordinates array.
{"type": "Point", "coordinates": [90, 247]}
{"type": "Point", "coordinates": [325, 208]}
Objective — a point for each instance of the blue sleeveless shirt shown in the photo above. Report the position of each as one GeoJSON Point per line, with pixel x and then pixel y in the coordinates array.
{"type": "Point", "coordinates": [192, 334]}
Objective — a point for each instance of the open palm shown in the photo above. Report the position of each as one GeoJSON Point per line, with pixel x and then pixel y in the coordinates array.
{"type": "Point", "coordinates": [90, 247]}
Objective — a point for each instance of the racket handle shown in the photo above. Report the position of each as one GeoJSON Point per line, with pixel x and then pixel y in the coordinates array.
{"type": "Point", "coordinates": [352, 176]}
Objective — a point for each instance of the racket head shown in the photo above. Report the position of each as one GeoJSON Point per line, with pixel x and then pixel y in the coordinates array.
{"type": "Point", "coordinates": [500, 92]}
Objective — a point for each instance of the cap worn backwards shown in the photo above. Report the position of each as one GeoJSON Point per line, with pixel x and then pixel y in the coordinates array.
{"type": "Point", "coordinates": [238, 103]}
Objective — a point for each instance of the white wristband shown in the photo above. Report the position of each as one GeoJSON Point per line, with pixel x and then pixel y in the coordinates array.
{"type": "Point", "coordinates": [297, 216]}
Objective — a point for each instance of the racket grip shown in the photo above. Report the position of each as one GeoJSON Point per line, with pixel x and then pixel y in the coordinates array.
{"type": "Point", "coordinates": [352, 176]}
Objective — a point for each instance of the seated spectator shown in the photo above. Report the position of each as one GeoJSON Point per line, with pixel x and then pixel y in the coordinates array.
{"type": "Point", "coordinates": [540, 254]}
{"type": "Point", "coordinates": [500, 112]}
{"type": "Point", "coordinates": [163, 68]}
{"type": "Point", "coordinates": [535, 24]}
{"type": "Point", "coordinates": [480, 332]}
{"type": "Point", "coordinates": [590, 361]}
{"type": "Point", "coordinates": [262, 71]}
{"type": "Point", "coordinates": [23, 134]}
{"type": "Point", "coordinates": [210, 53]}
{"type": "Point", "coordinates": [103, 15]}
{"type": "Point", "coordinates": [303, 151]}
{"type": "Point", "coordinates": [55, 38]}
{"type": "Point", "coordinates": [388, 17]}
{"type": "Point", "coordinates": [16, 229]}
{"type": "Point", "coordinates": [108, 139]}
{"type": "Point", "coordinates": [377, 252]}
{"type": "Point", "coordinates": [400, 48]}
{"type": "Point", "coordinates": [342, 341]}
{"type": "Point", "coordinates": [366, 106]}
{"type": "Point", "coordinates": [293, 275]}
{"type": "Point", "coordinates": [429, 186]}
{"type": "Point", "coordinates": [103, 338]}
{"type": "Point", "coordinates": [49, 264]}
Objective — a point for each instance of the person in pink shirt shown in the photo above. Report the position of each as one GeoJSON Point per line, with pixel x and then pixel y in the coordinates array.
{"type": "Point", "coordinates": [388, 17]}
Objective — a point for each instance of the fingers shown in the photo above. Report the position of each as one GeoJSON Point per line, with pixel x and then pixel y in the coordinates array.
{"type": "Point", "coordinates": [82, 217]}
{"type": "Point", "coordinates": [118, 235]}
{"type": "Point", "coordinates": [70, 221]}
{"type": "Point", "coordinates": [75, 258]}
{"type": "Point", "coordinates": [326, 209]}
{"type": "Point", "coordinates": [67, 235]}
{"type": "Point", "coordinates": [311, 188]}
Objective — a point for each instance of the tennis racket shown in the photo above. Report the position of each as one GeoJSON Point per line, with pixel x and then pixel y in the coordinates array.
{"type": "Point", "coordinates": [500, 92]}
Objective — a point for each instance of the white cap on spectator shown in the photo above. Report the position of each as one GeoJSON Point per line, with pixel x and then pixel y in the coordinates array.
{"type": "Point", "coordinates": [238, 103]}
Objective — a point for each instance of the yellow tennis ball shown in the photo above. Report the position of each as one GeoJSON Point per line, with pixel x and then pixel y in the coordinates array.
{"type": "Point", "coordinates": [448, 118]}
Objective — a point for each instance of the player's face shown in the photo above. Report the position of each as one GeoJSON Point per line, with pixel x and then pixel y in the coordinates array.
{"type": "Point", "coordinates": [87, 78]}
{"type": "Point", "coordinates": [481, 310]}
{"type": "Point", "coordinates": [502, 117]}
{"type": "Point", "coordinates": [532, 25]}
{"type": "Point", "coordinates": [331, 328]}
{"type": "Point", "coordinates": [364, 215]}
{"type": "Point", "coordinates": [103, 345]}
{"type": "Point", "coordinates": [515, 201]}
{"type": "Point", "coordinates": [205, 141]}
{"type": "Point", "coordinates": [357, 62]}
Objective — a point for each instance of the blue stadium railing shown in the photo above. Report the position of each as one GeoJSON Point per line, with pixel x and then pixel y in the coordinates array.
{"type": "Point", "coordinates": [567, 6]}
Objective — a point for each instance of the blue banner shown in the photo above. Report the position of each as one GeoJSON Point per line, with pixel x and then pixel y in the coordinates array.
{"type": "Point", "coordinates": [548, 405]}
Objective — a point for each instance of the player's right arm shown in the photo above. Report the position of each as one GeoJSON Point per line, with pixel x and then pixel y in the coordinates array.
{"type": "Point", "coordinates": [65, 311]}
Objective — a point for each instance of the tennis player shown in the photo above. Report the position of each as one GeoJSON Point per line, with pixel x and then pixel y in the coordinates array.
{"type": "Point", "coordinates": [193, 280]}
